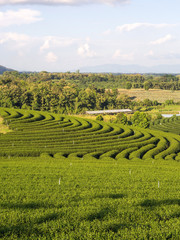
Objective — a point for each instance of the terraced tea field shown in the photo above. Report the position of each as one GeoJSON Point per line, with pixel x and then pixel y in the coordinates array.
{"type": "Point", "coordinates": [65, 177]}
{"type": "Point", "coordinates": [36, 133]}
{"type": "Point", "coordinates": [167, 125]}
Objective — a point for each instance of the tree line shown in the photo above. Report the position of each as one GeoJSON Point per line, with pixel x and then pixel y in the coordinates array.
{"type": "Point", "coordinates": [61, 93]}
{"type": "Point", "coordinates": [102, 80]}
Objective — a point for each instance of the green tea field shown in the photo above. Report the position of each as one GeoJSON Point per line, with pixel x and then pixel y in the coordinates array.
{"type": "Point", "coordinates": [49, 198]}
{"type": "Point", "coordinates": [38, 133]}
{"type": "Point", "coordinates": [65, 177]}
{"type": "Point", "coordinates": [167, 125]}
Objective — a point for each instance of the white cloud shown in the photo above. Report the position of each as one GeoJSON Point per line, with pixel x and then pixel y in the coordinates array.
{"type": "Point", "coordinates": [118, 54]}
{"type": "Point", "coordinates": [150, 54]}
{"type": "Point", "coordinates": [62, 2]}
{"type": "Point", "coordinates": [51, 57]}
{"type": "Point", "coordinates": [53, 41]}
{"type": "Point", "coordinates": [19, 39]}
{"type": "Point", "coordinates": [162, 40]}
{"type": "Point", "coordinates": [133, 26]}
{"type": "Point", "coordinates": [107, 32]}
{"type": "Point", "coordinates": [45, 43]}
{"type": "Point", "coordinates": [22, 16]}
{"type": "Point", "coordinates": [85, 51]}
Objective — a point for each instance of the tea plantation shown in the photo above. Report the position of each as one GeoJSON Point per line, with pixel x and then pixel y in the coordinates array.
{"type": "Point", "coordinates": [65, 177]}
{"type": "Point", "coordinates": [36, 133]}
{"type": "Point", "coordinates": [167, 124]}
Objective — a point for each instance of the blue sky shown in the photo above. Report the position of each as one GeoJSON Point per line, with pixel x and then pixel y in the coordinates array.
{"type": "Point", "coordinates": [63, 35]}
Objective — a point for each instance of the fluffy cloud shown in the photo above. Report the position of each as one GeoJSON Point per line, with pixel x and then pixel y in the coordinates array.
{"type": "Point", "coordinates": [51, 57]}
{"type": "Point", "coordinates": [118, 54]}
{"type": "Point", "coordinates": [62, 2]}
{"type": "Point", "coordinates": [53, 41]}
{"type": "Point", "coordinates": [22, 16]}
{"type": "Point", "coordinates": [85, 51]}
{"type": "Point", "coordinates": [162, 40]}
{"type": "Point", "coordinates": [133, 26]}
{"type": "Point", "coordinates": [19, 39]}
{"type": "Point", "coordinates": [44, 43]}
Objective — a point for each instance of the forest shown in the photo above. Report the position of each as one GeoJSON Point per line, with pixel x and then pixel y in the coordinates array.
{"type": "Point", "coordinates": [75, 92]}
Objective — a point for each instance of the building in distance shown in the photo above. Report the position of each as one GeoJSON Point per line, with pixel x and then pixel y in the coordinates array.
{"type": "Point", "coordinates": [114, 111]}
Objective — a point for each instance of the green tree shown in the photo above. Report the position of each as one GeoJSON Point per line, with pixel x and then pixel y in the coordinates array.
{"type": "Point", "coordinates": [121, 118]}
{"type": "Point", "coordinates": [141, 119]}
{"type": "Point", "coordinates": [147, 85]}
{"type": "Point", "coordinates": [128, 85]}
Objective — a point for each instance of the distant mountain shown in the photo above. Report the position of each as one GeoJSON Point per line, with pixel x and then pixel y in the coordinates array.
{"type": "Point", "coordinates": [116, 68]}
{"type": "Point", "coordinates": [4, 69]}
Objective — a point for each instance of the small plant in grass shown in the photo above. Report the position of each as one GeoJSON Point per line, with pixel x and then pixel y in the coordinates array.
{"type": "Point", "coordinates": [99, 118]}
{"type": "Point", "coordinates": [159, 116]}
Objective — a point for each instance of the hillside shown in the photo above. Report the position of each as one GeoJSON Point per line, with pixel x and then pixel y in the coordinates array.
{"type": "Point", "coordinates": [4, 69]}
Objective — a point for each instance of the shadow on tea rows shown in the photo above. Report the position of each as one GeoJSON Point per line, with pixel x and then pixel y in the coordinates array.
{"type": "Point", "coordinates": [27, 228]}
{"type": "Point", "coordinates": [33, 224]}
{"type": "Point", "coordinates": [36, 226]}
{"type": "Point", "coordinates": [31, 205]}
{"type": "Point", "coordinates": [156, 203]}
{"type": "Point", "coordinates": [111, 195]}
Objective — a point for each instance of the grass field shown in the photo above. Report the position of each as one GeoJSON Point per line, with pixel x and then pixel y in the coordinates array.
{"type": "Point", "coordinates": [167, 109]}
{"type": "Point", "coordinates": [64, 177]}
{"type": "Point", "coordinates": [93, 200]}
{"type": "Point", "coordinates": [152, 94]}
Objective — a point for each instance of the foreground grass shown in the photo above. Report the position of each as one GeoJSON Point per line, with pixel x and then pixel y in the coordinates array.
{"type": "Point", "coordinates": [95, 199]}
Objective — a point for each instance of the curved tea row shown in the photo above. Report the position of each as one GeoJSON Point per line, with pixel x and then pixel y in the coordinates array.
{"type": "Point", "coordinates": [167, 125]}
{"type": "Point", "coordinates": [38, 133]}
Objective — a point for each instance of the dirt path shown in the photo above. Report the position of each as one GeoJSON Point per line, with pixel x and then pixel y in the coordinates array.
{"type": "Point", "coordinates": [3, 128]}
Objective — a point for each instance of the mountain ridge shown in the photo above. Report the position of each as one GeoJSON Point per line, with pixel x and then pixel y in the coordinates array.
{"type": "Point", "coordinates": [117, 68]}
{"type": "Point", "coordinates": [4, 69]}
